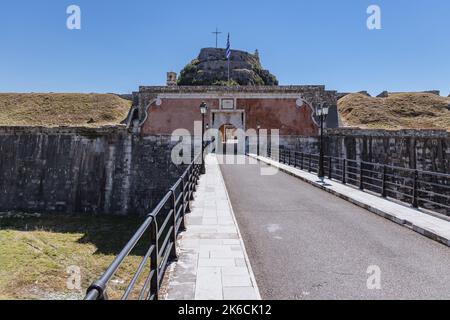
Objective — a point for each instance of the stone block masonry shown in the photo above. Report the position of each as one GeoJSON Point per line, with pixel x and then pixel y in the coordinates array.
{"type": "Point", "coordinates": [426, 150]}
{"type": "Point", "coordinates": [79, 170]}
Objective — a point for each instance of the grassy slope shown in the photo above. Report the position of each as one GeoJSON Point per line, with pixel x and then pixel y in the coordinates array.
{"type": "Point", "coordinates": [36, 252]}
{"type": "Point", "coordinates": [61, 109]}
{"type": "Point", "coordinates": [398, 111]}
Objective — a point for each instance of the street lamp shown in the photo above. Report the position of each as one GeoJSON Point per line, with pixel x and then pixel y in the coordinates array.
{"type": "Point", "coordinates": [203, 111]}
{"type": "Point", "coordinates": [322, 112]}
{"type": "Point", "coordinates": [207, 134]}
{"type": "Point", "coordinates": [258, 128]}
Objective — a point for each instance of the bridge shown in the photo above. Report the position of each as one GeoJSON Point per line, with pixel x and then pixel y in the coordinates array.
{"type": "Point", "coordinates": [266, 228]}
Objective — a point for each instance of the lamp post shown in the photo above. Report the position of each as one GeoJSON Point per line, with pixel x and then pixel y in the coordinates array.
{"type": "Point", "coordinates": [258, 128]}
{"type": "Point", "coordinates": [203, 111]}
{"type": "Point", "coordinates": [322, 112]}
{"type": "Point", "coordinates": [209, 138]}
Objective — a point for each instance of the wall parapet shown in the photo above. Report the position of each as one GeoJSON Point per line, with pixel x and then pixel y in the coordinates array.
{"type": "Point", "coordinates": [423, 133]}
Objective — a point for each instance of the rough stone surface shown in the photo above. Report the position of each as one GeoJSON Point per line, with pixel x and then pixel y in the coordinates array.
{"type": "Point", "coordinates": [426, 150]}
{"type": "Point", "coordinates": [211, 68]}
{"type": "Point", "coordinates": [73, 170]}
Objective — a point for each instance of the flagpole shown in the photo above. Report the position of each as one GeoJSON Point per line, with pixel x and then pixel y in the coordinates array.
{"type": "Point", "coordinates": [228, 70]}
{"type": "Point", "coordinates": [228, 56]}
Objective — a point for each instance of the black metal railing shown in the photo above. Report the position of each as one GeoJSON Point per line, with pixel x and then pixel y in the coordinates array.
{"type": "Point", "coordinates": [424, 189]}
{"type": "Point", "coordinates": [159, 232]}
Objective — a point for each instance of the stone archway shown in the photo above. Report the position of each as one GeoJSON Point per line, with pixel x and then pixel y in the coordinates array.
{"type": "Point", "coordinates": [235, 118]}
{"type": "Point", "coordinates": [228, 133]}
{"type": "Point", "coordinates": [231, 125]}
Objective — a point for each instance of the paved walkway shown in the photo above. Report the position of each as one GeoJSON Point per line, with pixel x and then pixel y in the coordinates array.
{"type": "Point", "coordinates": [213, 263]}
{"type": "Point", "coordinates": [305, 243]}
{"type": "Point", "coordinates": [425, 224]}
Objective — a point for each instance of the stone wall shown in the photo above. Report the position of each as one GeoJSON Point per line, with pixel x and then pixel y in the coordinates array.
{"type": "Point", "coordinates": [300, 143]}
{"type": "Point", "coordinates": [77, 170]}
{"type": "Point", "coordinates": [416, 149]}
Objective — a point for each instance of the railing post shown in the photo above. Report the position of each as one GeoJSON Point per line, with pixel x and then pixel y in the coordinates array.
{"type": "Point", "coordinates": [295, 159]}
{"type": "Point", "coordinates": [194, 179]}
{"type": "Point", "coordinates": [330, 168]}
{"type": "Point", "coordinates": [415, 190]}
{"type": "Point", "coordinates": [290, 156]}
{"type": "Point", "coordinates": [361, 176]}
{"type": "Point", "coordinates": [173, 251]}
{"type": "Point", "coordinates": [344, 171]}
{"type": "Point", "coordinates": [184, 203]}
{"type": "Point", "coordinates": [191, 181]}
{"type": "Point", "coordinates": [309, 163]}
{"type": "Point", "coordinates": [384, 191]}
{"type": "Point", "coordinates": [302, 158]}
{"type": "Point", "coordinates": [154, 283]}
{"type": "Point", "coordinates": [197, 174]}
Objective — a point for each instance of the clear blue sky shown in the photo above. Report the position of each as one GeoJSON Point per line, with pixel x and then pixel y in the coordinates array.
{"type": "Point", "coordinates": [124, 44]}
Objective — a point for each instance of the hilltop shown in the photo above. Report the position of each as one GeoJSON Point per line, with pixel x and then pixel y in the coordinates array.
{"type": "Point", "coordinates": [211, 68]}
{"type": "Point", "coordinates": [397, 111]}
{"type": "Point", "coordinates": [62, 109]}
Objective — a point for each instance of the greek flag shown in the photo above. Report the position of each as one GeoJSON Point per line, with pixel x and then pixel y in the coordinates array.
{"type": "Point", "coordinates": [228, 51]}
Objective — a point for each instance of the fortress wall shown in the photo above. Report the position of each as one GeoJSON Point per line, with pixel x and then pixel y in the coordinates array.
{"type": "Point", "coordinates": [418, 149]}
{"type": "Point", "coordinates": [78, 170]}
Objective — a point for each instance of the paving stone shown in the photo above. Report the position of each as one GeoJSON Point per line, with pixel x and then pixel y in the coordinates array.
{"type": "Point", "coordinates": [210, 221]}
{"type": "Point", "coordinates": [226, 254]}
{"type": "Point", "coordinates": [235, 271]}
{"type": "Point", "coordinates": [216, 262]}
{"type": "Point", "coordinates": [212, 259]}
{"type": "Point", "coordinates": [209, 284]}
{"type": "Point", "coordinates": [236, 281]}
{"type": "Point", "coordinates": [240, 262]}
{"type": "Point", "coordinates": [194, 220]}
{"type": "Point", "coordinates": [181, 291]}
{"type": "Point", "coordinates": [239, 293]}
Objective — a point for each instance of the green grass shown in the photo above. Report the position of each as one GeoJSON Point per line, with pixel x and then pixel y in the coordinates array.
{"type": "Point", "coordinates": [35, 253]}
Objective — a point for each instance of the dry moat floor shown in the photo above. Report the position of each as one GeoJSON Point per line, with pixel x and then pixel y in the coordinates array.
{"type": "Point", "coordinates": [37, 252]}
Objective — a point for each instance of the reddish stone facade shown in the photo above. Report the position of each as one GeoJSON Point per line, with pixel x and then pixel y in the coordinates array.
{"type": "Point", "coordinates": [161, 110]}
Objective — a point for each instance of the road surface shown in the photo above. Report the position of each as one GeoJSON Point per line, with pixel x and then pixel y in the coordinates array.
{"type": "Point", "coordinates": [304, 243]}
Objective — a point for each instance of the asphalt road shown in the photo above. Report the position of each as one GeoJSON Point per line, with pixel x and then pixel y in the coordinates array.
{"type": "Point", "coordinates": [304, 243]}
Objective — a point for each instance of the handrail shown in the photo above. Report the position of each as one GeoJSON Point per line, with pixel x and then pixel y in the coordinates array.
{"type": "Point", "coordinates": [171, 210]}
{"type": "Point", "coordinates": [403, 184]}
